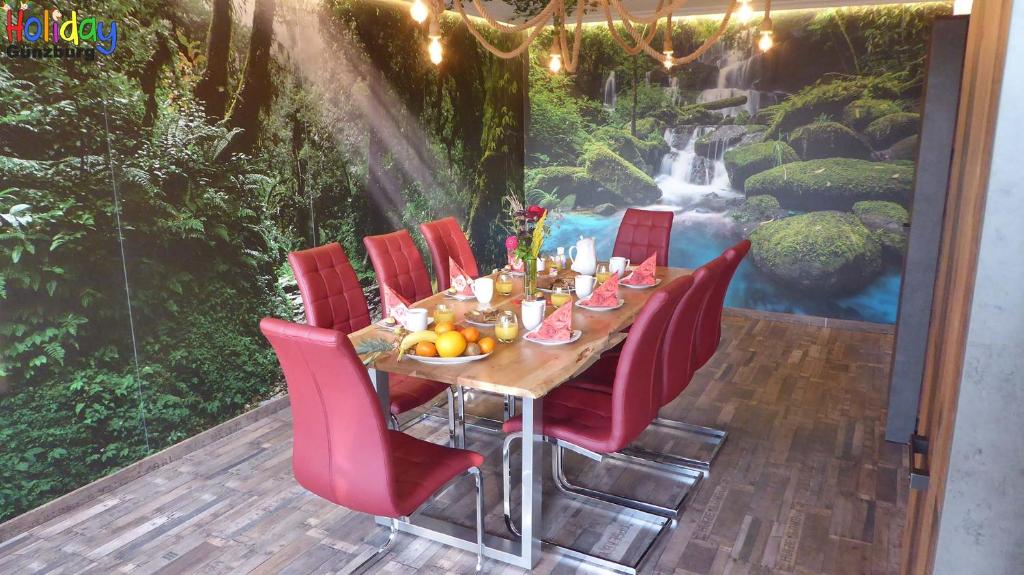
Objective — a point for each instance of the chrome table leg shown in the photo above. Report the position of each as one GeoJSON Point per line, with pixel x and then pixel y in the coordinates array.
{"type": "Point", "coordinates": [380, 383]}
{"type": "Point", "coordinates": [532, 482]}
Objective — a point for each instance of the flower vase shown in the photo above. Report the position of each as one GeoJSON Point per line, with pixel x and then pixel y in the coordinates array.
{"type": "Point", "coordinates": [530, 281]}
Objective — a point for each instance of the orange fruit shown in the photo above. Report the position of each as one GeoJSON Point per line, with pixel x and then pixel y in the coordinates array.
{"type": "Point", "coordinates": [444, 326]}
{"type": "Point", "coordinates": [426, 349]}
{"type": "Point", "coordinates": [486, 344]}
{"type": "Point", "coordinates": [471, 334]}
{"type": "Point", "coordinates": [450, 344]}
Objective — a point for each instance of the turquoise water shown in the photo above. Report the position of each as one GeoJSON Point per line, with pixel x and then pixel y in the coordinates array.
{"type": "Point", "coordinates": [699, 237]}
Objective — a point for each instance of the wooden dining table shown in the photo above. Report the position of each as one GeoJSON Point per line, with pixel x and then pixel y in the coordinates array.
{"type": "Point", "coordinates": [524, 370]}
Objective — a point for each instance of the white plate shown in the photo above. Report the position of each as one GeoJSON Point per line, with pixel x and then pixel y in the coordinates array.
{"type": "Point", "coordinates": [656, 282]}
{"type": "Point", "coordinates": [458, 297]}
{"type": "Point", "coordinates": [580, 303]}
{"type": "Point", "coordinates": [576, 335]}
{"type": "Point", "coordinates": [383, 325]}
{"type": "Point", "coordinates": [447, 360]}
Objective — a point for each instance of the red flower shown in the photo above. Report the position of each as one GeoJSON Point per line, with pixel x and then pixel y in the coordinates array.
{"type": "Point", "coordinates": [534, 212]}
{"type": "Point", "coordinates": [511, 243]}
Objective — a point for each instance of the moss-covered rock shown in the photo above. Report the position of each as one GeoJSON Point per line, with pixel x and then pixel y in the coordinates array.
{"type": "Point", "coordinates": [630, 185]}
{"type": "Point", "coordinates": [754, 211]}
{"type": "Point", "coordinates": [558, 183]}
{"type": "Point", "coordinates": [745, 161]}
{"type": "Point", "coordinates": [859, 113]}
{"type": "Point", "coordinates": [724, 103]}
{"type": "Point", "coordinates": [650, 128]}
{"type": "Point", "coordinates": [890, 129]}
{"type": "Point", "coordinates": [830, 98]}
{"type": "Point", "coordinates": [824, 252]}
{"type": "Point", "coordinates": [605, 209]}
{"type": "Point", "coordinates": [643, 154]}
{"type": "Point", "coordinates": [833, 183]}
{"type": "Point", "coordinates": [714, 143]}
{"type": "Point", "coordinates": [829, 140]}
{"type": "Point", "coordinates": [755, 134]}
{"type": "Point", "coordinates": [905, 149]}
{"type": "Point", "coordinates": [886, 221]}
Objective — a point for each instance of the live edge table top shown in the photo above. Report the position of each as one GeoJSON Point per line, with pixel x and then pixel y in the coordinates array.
{"type": "Point", "coordinates": [523, 368]}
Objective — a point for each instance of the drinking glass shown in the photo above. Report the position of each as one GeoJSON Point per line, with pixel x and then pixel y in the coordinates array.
{"type": "Point", "coordinates": [602, 274]}
{"type": "Point", "coordinates": [504, 284]}
{"type": "Point", "coordinates": [507, 327]}
{"type": "Point", "coordinates": [560, 297]}
{"type": "Point", "coordinates": [443, 313]}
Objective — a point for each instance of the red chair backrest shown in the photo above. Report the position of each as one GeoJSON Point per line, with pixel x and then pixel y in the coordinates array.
{"type": "Point", "coordinates": [680, 344]}
{"type": "Point", "coordinates": [636, 389]}
{"type": "Point", "coordinates": [340, 444]}
{"type": "Point", "coordinates": [331, 294]}
{"type": "Point", "coordinates": [445, 239]}
{"type": "Point", "coordinates": [710, 331]}
{"type": "Point", "coordinates": [399, 264]}
{"type": "Point", "coordinates": [643, 232]}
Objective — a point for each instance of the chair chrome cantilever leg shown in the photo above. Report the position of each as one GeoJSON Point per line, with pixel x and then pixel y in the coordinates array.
{"type": "Point", "coordinates": [715, 437]}
{"type": "Point", "coordinates": [667, 523]}
{"type": "Point", "coordinates": [475, 472]}
{"type": "Point", "coordinates": [376, 554]}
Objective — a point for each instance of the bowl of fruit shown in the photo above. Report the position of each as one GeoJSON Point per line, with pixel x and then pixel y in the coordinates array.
{"type": "Point", "coordinates": [446, 344]}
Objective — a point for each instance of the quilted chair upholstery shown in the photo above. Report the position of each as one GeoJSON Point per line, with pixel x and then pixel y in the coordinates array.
{"type": "Point", "coordinates": [331, 294]}
{"type": "Point", "coordinates": [643, 232]}
{"type": "Point", "coordinates": [341, 447]}
{"type": "Point", "coordinates": [603, 422]}
{"type": "Point", "coordinates": [398, 263]}
{"type": "Point", "coordinates": [710, 330]}
{"type": "Point", "coordinates": [333, 299]}
{"type": "Point", "coordinates": [445, 239]}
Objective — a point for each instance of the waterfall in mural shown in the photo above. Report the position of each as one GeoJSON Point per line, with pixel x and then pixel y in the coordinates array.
{"type": "Point", "coordinates": [609, 91]}
{"type": "Point", "coordinates": [810, 160]}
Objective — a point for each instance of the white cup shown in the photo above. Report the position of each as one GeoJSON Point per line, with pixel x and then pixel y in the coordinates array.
{"type": "Point", "coordinates": [540, 265]}
{"type": "Point", "coordinates": [585, 285]}
{"type": "Point", "coordinates": [618, 265]}
{"type": "Point", "coordinates": [416, 319]}
{"type": "Point", "coordinates": [533, 313]}
{"type": "Point", "coordinates": [483, 289]}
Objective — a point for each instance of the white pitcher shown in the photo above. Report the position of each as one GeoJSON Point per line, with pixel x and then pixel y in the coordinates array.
{"type": "Point", "coordinates": [584, 256]}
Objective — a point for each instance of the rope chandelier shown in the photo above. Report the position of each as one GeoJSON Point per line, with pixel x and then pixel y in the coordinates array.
{"type": "Point", "coordinates": [564, 54]}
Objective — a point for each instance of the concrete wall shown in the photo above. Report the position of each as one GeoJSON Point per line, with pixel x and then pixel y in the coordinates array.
{"type": "Point", "coordinates": [982, 528]}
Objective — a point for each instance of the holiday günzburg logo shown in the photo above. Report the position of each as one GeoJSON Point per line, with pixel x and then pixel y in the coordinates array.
{"type": "Point", "coordinates": [50, 33]}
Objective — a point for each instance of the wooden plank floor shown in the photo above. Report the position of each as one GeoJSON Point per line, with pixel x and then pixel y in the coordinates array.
{"type": "Point", "coordinates": [805, 484]}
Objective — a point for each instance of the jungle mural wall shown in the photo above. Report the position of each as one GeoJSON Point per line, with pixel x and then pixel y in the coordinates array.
{"type": "Point", "coordinates": [808, 150]}
{"type": "Point", "coordinates": [148, 199]}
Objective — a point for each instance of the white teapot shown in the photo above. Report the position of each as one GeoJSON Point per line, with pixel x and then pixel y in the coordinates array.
{"type": "Point", "coordinates": [584, 256]}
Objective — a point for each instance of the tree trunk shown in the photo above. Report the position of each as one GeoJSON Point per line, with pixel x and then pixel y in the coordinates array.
{"type": "Point", "coordinates": [255, 91]}
{"type": "Point", "coordinates": [212, 88]}
{"type": "Point", "coordinates": [150, 76]}
{"type": "Point", "coordinates": [636, 88]}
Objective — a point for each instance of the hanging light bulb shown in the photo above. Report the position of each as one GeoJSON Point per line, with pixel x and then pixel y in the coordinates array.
{"type": "Point", "coordinates": [666, 47]}
{"type": "Point", "coordinates": [434, 49]}
{"type": "Point", "coordinates": [419, 11]}
{"type": "Point", "coordinates": [745, 12]}
{"type": "Point", "coordinates": [555, 63]}
{"type": "Point", "coordinates": [766, 41]}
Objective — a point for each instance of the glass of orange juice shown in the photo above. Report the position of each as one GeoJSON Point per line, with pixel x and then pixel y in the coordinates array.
{"type": "Point", "coordinates": [507, 327]}
{"type": "Point", "coordinates": [560, 297]}
{"type": "Point", "coordinates": [602, 273]}
{"type": "Point", "coordinates": [504, 284]}
{"type": "Point", "coordinates": [443, 313]}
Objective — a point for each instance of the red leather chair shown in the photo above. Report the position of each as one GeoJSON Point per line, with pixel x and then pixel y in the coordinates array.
{"type": "Point", "coordinates": [710, 327]}
{"type": "Point", "coordinates": [643, 232]}
{"type": "Point", "coordinates": [445, 239]}
{"type": "Point", "coordinates": [399, 264]}
{"type": "Point", "coordinates": [333, 299]}
{"type": "Point", "coordinates": [341, 447]}
{"type": "Point", "coordinates": [596, 423]}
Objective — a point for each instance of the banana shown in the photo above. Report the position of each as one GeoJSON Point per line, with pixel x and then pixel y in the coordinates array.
{"type": "Point", "coordinates": [416, 337]}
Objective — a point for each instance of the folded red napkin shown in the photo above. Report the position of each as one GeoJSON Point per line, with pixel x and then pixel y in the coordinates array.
{"type": "Point", "coordinates": [557, 326]}
{"type": "Point", "coordinates": [460, 280]}
{"type": "Point", "coordinates": [394, 304]}
{"type": "Point", "coordinates": [643, 274]}
{"type": "Point", "coordinates": [606, 294]}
